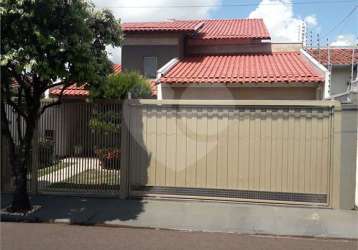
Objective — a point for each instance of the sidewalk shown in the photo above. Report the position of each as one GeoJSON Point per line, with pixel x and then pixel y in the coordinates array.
{"type": "Point", "coordinates": [193, 216]}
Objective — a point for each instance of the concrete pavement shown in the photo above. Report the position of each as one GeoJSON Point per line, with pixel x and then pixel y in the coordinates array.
{"type": "Point", "coordinates": [78, 165]}
{"type": "Point", "coordinates": [194, 216]}
{"type": "Point", "coordinates": [18, 236]}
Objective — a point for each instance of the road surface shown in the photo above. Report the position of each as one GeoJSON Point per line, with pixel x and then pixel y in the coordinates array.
{"type": "Point", "coordinates": [18, 236]}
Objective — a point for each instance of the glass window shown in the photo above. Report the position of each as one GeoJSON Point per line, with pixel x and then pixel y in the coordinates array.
{"type": "Point", "coordinates": [150, 66]}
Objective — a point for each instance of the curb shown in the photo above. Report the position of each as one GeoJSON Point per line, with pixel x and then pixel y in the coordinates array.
{"type": "Point", "coordinates": [17, 219]}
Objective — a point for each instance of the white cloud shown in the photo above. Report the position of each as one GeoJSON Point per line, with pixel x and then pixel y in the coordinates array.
{"type": "Point", "coordinates": [154, 14]}
{"type": "Point", "coordinates": [157, 14]}
{"type": "Point", "coordinates": [345, 40]}
{"type": "Point", "coordinates": [114, 54]}
{"type": "Point", "coordinates": [282, 23]}
{"type": "Point", "coordinates": [311, 20]}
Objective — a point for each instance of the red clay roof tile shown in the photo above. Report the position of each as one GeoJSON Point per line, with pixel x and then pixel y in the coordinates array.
{"type": "Point", "coordinates": [338, 56]}
{"type": "Point", "coordinates": [117, 68]}
{"type": "Point", "coordinates": [233, 29]}
{"type": "Point", "coordinates": [278, 67]}
{"type": "Point", "coordinates": [207, 29]}
{"type": "Point", "coordinates": [82, 90]}
{"type": "Point", "coordinates": [173, 26]}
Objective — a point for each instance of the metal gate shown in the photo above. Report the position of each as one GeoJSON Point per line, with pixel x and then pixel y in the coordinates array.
{"type": "Point", "coordinates": [261, 151]}
{"type": "Point", "coordinates": [78, 148]}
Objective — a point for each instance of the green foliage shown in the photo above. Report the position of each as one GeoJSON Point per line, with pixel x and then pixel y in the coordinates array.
{"type": "Point", "coordinates": [46, 40]}
{"type": "Point", "coordinates": [43, 41]}
{"type": "Point", "coordinates": [105, 122]}
{"type": "Point", "coordinates": [118, 86]}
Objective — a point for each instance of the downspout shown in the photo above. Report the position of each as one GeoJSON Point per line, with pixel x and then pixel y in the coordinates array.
{"type": "Point", "coordinates": [327, 74]}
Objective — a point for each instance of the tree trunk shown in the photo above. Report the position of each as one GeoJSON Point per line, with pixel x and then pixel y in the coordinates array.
{"type": "Point", "coordinates": [21, 161]}
{"type": "Point", "coordinates": [21, 201]}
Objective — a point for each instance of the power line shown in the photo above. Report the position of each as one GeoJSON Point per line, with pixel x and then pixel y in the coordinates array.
{"type": "Point", "coordinates": [226, 5]}
{"type": "Point", "coordinates": [342, 21]}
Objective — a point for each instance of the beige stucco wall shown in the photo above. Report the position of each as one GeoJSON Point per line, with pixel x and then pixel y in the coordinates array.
{"type": "Point", "coordinates": [194, 144]}
{"type": "Point", "coordinates": [349, 155]}
{"type": "Point", "coordinates": [237, 93]}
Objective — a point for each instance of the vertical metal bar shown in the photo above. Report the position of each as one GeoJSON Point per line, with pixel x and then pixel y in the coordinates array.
{"type": "Point", "coordinates": [79, 142]}
{"type": "Point", "coordinates": [72, 106]}
{"type": "Point", "coordinates": [125, 143]}
{"type": "Point", "coordinates": [50, 112]}
{"type": "Point", "coordinates": [42, 126]}
{"type": "Point", "coordinates": [72, 176]}
{"type": "Point", "coordinates": [83, 139]}
{"type": "Point", "coordinates": [117, 145]}
{"type": "Point", "coordinates": [60, 119]}
{"type": "Point", "coordinates": [97, 112]}
{"type": "Point", "coordinates": [101, 110]}
{"type": "Point", "coordinates": [105, 144]}
{"type": "Point", "coordinates": [119, 140]}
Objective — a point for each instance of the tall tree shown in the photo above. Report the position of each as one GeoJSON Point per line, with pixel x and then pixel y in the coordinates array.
{"type": "Point", "coordinates": [46, 43]}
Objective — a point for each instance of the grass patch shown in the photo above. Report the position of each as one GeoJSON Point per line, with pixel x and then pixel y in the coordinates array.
{"type": "Point", "coordinates": [48, 170]}
{"type": "Point", "coordinates": [91, 179]}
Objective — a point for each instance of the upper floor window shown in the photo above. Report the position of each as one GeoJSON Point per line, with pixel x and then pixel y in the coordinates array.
{"type": "Point", "coordinates": [150, 66]}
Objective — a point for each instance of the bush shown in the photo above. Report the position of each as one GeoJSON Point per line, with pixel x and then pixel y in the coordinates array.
{"type": "Point", "coordinates": [117, 87]}
{"type": "Point", "coordinates": [109, 157]}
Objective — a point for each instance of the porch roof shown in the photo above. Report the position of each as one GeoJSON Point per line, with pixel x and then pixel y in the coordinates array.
{"type": "Point", "coordinates": [277, 67]}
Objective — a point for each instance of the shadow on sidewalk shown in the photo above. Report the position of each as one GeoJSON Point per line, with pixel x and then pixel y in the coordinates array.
{"type": "Point", "coordinates": [77, 210]}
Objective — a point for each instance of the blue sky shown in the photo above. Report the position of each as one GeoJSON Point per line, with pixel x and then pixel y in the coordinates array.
{"type": "Point", "coordinates": [282, 17]}
{"type": "Point", "coordinates": [327, 16]}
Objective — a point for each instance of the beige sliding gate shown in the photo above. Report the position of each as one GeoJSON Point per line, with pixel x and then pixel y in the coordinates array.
{"type": "Point", "coordinates": [261, 151]}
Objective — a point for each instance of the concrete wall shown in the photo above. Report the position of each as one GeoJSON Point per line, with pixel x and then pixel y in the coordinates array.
{"type": "Point", "coordinates": [340, 76]}
{"type": "Point", "coordinates": [220, 47]}
{"type": "Point", "coordinates": [229, 48]}
{"type": "Point", "coordinates": [132, 56]}
{"type": "Point", "coordinates": [349, 155]}
{"type": "Point", "coordinates": [240, 93]}
{"type": "Point", "coordinates": [258, 146]}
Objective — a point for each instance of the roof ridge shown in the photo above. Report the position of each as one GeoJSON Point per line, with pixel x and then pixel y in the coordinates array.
{"type": "Point", "coordinates": [197, 20]}
{"type": "Point", "coordinates": [246, 54]}
{"type": "Point", "coordinates": [231, 19]}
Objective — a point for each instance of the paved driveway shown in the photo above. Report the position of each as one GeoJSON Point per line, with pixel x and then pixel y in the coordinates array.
{"type": "Point", "coordinates": [77, 166]}
{"type": "Point", "coordinates": [18, 236]}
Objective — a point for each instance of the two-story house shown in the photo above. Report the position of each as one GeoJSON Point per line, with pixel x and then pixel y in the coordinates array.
{"type": "Point", "coordinates": [217, 59]}
{"type": "Point", "coordinates": [342, 66]}
{"type": "Point", "coordinates": [220, 59]}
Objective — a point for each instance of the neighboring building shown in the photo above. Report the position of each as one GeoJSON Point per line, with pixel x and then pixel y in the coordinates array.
{"type": "Point", "coordinates": [81, 92]}
{"type": "Point", "coordinates": [220, 59]}
{"type": "Point", "coordinates": [78, 92]}
{"type": "Point", "coordinates": [340, 61]}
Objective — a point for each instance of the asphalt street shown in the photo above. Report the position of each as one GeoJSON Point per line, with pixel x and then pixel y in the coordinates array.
{"type": "Point", "coordinates": [19, 236]}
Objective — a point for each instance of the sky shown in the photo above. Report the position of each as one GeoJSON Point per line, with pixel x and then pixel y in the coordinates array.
{"type": "Point", "coordinates": [284, 19]}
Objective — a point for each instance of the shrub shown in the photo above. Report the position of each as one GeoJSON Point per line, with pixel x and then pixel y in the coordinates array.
{"type": "Point", "coordinates": [117, 87]}
{"type": "Point", "coordinates": [109, 157]}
